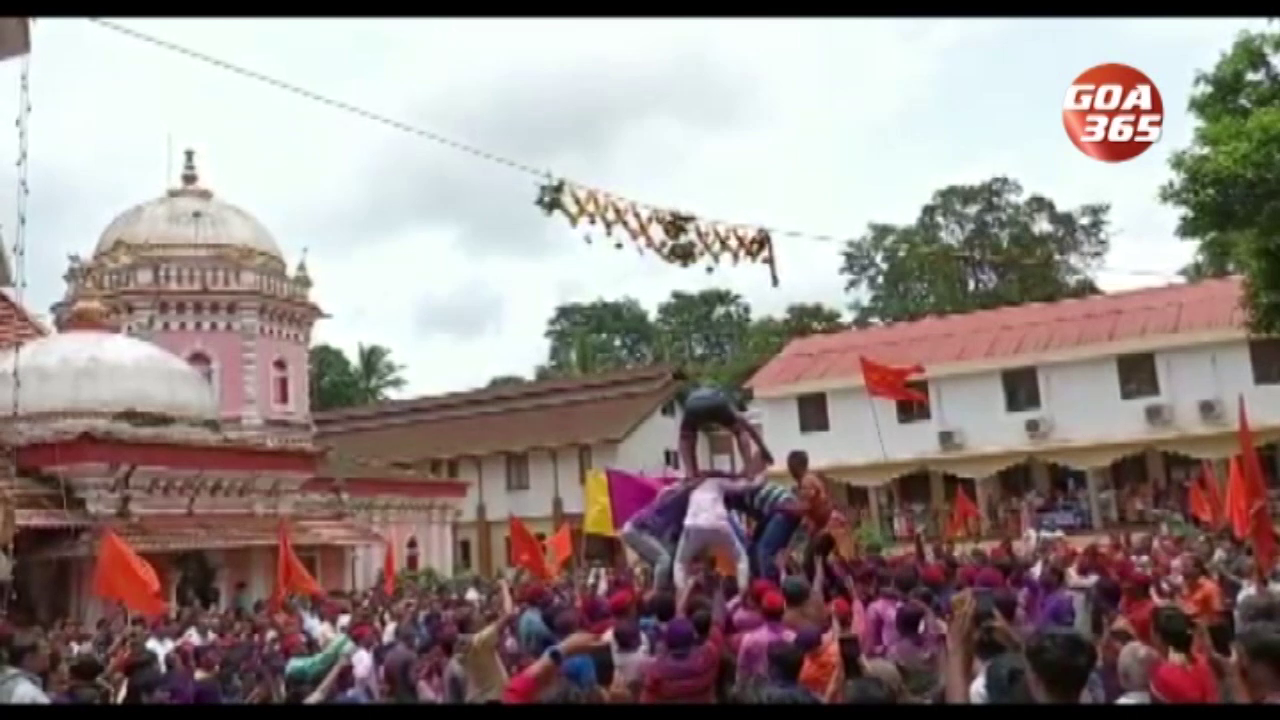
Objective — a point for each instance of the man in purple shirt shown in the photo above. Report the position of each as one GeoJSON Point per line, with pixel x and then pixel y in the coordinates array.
{"type": "Point", "coordinates": [882, 615]}
{"type": "Point", "coordinates": [653, 532]}
{"type": "Point", "coordinates": [753, 653]}
{"type": "Point", "coordinates": [1055, 607]}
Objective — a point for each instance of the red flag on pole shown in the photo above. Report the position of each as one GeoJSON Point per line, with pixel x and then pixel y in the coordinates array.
{"type": "Point", "coordinates": [389, 569]}
{"type": "Point", "coordinates": [526, 551]}
{"type": "Point", "coordinates": [1260, 526]}
{"type": "Point", "coordinates": [291, 575]}
{"type": "Point", "coordinates": [121, 575]}
{"type": "Point", "coordinates": [890, 382]}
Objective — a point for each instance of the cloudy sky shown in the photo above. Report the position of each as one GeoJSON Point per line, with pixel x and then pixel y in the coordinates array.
{"type": "Point", "coordinates": [818, 125]}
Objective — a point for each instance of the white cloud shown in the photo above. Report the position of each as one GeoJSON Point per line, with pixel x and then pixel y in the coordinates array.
{"type": "Point", "coordinates": [821, 125]}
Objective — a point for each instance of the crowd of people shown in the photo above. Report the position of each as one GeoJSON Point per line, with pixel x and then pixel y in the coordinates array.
{"type": "Point", "coordinates": [803, 615]}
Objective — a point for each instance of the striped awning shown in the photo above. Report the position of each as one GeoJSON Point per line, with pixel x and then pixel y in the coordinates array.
{"type": "Point", "coordinates": [212, 532]}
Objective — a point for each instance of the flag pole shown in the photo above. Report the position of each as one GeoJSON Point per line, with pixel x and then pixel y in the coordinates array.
{"type": "Point", "coordinates": [875, 420]}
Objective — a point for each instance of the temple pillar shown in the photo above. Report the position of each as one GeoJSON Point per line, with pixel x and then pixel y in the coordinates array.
{"type": "Point", "coordinates": [1157, 469]}
{"type": "Point", "coordinates": [484, 542]}
{"type": "Point", "coordinates": [1095, 478]}
{"type": "Point", "coordinates": [873, 502]}
{"type": "Point", "coordinates": [982, 488]}
{"type": "Point", "coordinates": [1039, 476]}
{"type": "Point", "coordinates": [557, 502]}
{"type": "Point", "coordinates": [939, 512]}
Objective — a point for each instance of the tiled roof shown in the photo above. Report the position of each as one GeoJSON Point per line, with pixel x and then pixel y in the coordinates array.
{"type": "Point", "coordinates": [16, 324]}
{"type": "Point", "coordinates": [1006, 333]}
{"type": "Point", "coordinates": [544, 414]}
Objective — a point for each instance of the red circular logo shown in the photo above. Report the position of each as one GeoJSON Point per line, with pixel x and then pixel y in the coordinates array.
{"type": "Point", "coordinates": [1113, 112]}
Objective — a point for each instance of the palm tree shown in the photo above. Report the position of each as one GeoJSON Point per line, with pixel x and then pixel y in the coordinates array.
{"type": "Point", "coordinates": [376, 375]}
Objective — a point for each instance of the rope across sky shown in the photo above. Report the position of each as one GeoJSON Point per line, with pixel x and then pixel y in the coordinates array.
{"type": "Point", "coordinates": [696, 238]}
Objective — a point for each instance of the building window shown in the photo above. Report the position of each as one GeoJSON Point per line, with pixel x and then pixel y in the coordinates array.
{"type": "Point", "coordinates": [435, 467]}
{"type": "Point", "coordinates": [1021, 389]}
{"type": "Point", "coordinates": [910, 411]}
{"type": "Point", "coordinates": [411, 555]}
{"type": "Point", "coordinates": [280, 382]}
{"type": "Point", "coordinates": [517, 471]}
{"type": "Point", "coordinates": [585, 462]}
{"type": "Point", "coordinates": [1264, 356]}
{"type": "Point", "coordinates": [451, 469]}
{"type": "Point", "coordinates": [812, 411]}
{"type": "Point", "coordinates": [202, 364]}
{"type": "Point", "coordinates": [671, 459]}
{"type": "Point", "coordinates": [720, 443]}
{"type": "Point", "coordinates": [669, 408]}
{"type": "Point", "coordinates": [1137, 376]}
{"type": "Point", "coordinates": [464, 554]}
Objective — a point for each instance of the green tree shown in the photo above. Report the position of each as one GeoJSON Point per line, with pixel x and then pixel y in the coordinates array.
{"type": "Point", "coordinates": [767, 336]}
{"type": "Point", "coordinates": [333, 379]}
{"type": "Point", "coordinates": [376, 374]}
{"type": "Point", "coordinates": [975, 247]}
{"type": "Point", "coordinates": [1227, 183]}
{"type": "Point", "coordinates": [598, 336]}
{"type": "Point", "coordinates": [705, 332]}
{"type": "Point", "coordinates": [506, 380]}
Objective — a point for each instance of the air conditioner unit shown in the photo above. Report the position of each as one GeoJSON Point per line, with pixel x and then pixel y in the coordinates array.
{"type": "Point", "coordinates": [950, 439]}
{"type": "Point", "coordinates": [1159, 414]}
{"type": "Point", "coordinates": [1037, 427]}
{"type": "Point", "coordinates": [1211, 410]}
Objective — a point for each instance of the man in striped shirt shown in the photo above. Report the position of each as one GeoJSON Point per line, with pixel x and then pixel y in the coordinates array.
{"type": "Point", "coordinates": [774, 511]}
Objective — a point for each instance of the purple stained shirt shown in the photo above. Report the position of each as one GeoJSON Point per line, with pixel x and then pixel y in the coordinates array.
{"type": "Point", "coordinates": [1056, 610]}
{"type": "Point", "coordinates": [882, 626]}
{"type": "Point", "coordinates": [753, 652]}
{"type": "Point", "coordinates": [664, 517]}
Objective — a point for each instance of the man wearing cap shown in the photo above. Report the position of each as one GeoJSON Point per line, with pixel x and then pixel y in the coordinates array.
{"type": "Point", "coordinates": [753, 652]}
{"type": "Point", "coordinates": [686, 671]}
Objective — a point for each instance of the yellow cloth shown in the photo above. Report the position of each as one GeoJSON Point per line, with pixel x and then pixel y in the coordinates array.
{"type": "Point", "coordinates": [598, 516]}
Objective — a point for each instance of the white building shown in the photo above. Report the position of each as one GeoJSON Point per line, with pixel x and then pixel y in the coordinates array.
{"type": "Point", "coordinates": [1121, 392]}
{"type": "Point", "coordinates": [522, 450]}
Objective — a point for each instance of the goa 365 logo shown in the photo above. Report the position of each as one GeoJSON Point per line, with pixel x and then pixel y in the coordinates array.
{"type": "Point", "coordinates": [1113, 112]}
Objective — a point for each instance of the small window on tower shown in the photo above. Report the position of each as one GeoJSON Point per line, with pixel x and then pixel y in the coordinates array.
{"type": "Point", "coordinates": [280, 382]}
{"type": "Point", "coordinates": [203, 365]}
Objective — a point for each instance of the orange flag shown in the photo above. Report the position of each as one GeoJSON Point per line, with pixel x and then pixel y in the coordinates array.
{"type": "Point", "coordinates": [389, 570]}
{"type": "Point", "coordinates": [526, 551]}
{"type": "Point", "coordinates": [963, 512]}
{"type": "Point", "coordinates": [1260, 526]}
{"type": "Point", "coordinates": [123, 576]}
{"type": "Point", "coordinates": [890, 382]}
{"type": "Point", "coordinates": [292, 577]}
{"type": "Point", "coordinates": [1198, 504]}
{"type": "Point", "coordinates": [1236, 506]}
{"type": "Point", "coordinates": [560, 547]}
{"type": "Point", "coordinates": [1212, 492]}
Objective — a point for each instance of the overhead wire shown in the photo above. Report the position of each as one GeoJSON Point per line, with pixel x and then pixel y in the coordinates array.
{"type": "Point", "coordinates": [474, 151]}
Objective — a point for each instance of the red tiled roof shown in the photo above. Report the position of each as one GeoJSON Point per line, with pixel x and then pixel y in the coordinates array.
{"type": "Point", "coordinates": [16, 324]}
{"type": "Point", "coordinates": [1006, 333]}
{"type": "Point", "coordinates": [510, 418]}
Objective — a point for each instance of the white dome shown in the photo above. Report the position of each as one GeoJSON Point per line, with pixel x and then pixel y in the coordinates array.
{"type": "Point", "coordinates": [188, 217]}
{"type": "Point", "coordinates": [96, 372]}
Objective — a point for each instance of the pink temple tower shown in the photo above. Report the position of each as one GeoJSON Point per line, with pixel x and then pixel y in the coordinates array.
{"type": "Point", "coordinates": [205, 280]}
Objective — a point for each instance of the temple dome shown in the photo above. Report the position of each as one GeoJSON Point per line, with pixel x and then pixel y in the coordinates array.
{"type": "Point", "coordinates": [188, 218]}
{"type": "Point", "coordinates": [88, 370]}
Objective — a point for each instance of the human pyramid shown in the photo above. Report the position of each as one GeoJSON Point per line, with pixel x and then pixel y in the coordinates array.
{"type": "Point", "coordinates": [698, 515]}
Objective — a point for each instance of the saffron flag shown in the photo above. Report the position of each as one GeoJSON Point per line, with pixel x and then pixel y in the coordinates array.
{"type": "Point", "coordinates": [1261, 530]}
{"type": "Point", "coordinates": [963, 512]}
{"type": "Point", "coordinates": [389, 569]}
{"type": "Point", "coordinates": [123, 576]}
{"type": "Point", "coordinates": [526, 551]}
{"type": "Point", "coordinates": [1198, 503]}
{"type": "Point", "coordinates": [890, 382]}
{"type": "Point", "coordinates": [560, 547]}
{"type": "Point", "coordinates": [1237, 508]}
{"type": "Point", "coordinates": [15, 37]}
{"type": "Point", "coordinates": [1212, 492]}
{"type": "Point", "coordinates": [292, 577]}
